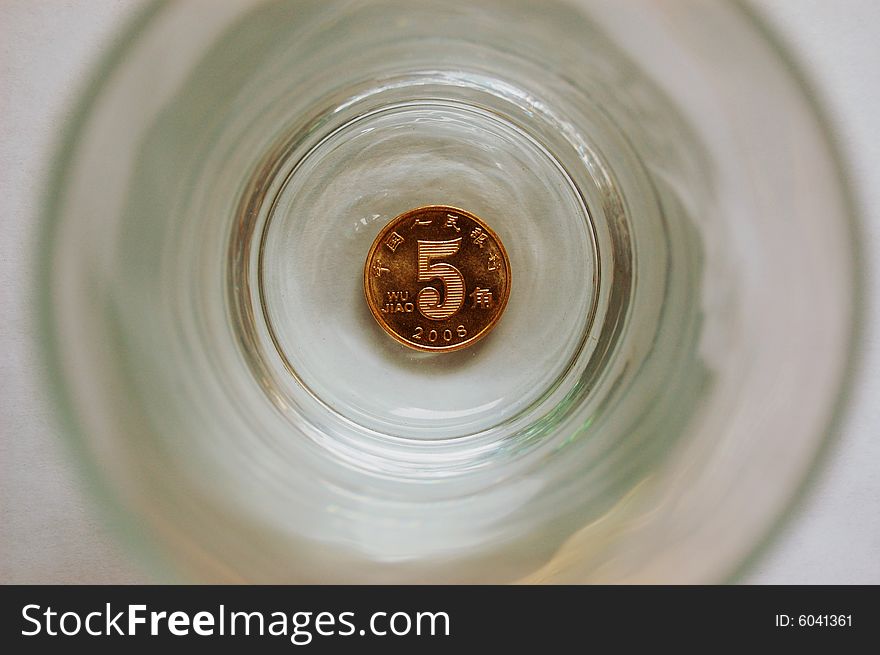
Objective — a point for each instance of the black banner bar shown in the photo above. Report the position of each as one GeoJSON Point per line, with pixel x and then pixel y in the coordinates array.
{"type": "Point", "coordinates": [435, 619]}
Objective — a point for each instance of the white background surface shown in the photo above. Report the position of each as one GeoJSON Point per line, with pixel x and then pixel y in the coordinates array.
{"type": "Point", "coordinates": [50, 530]}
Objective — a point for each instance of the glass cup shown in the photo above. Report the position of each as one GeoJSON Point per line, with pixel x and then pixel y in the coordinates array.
{"type": "Point", "coordinates": [679, 328]}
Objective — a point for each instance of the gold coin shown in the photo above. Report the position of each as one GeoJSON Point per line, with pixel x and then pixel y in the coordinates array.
{"type": "Point", "coordinates": [437, 278]}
